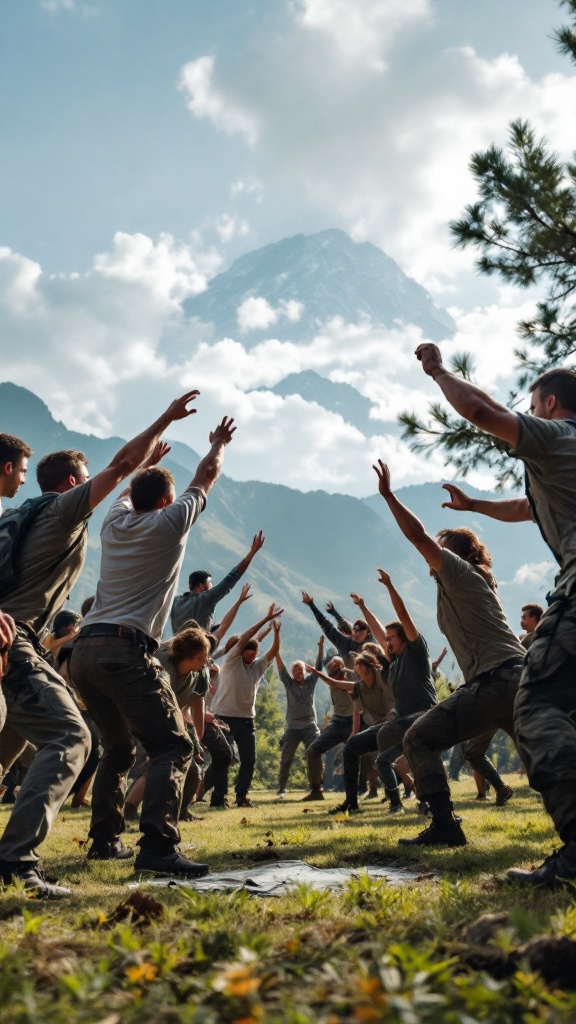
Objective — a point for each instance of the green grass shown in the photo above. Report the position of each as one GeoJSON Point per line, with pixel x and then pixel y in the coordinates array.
{"type": "Point", "coordinates": [371, 952]}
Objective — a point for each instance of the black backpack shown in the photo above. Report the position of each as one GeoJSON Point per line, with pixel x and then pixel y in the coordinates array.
{"type": "Point", "coordinates": [14, 526]}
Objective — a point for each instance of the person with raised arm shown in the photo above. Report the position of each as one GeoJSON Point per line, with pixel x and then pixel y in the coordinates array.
{"type": "Point", "coordinates": [301, 724]}
{"type": "Point", "coordinates": [235, 698]}
{"type": "Point", "coordinates": [202, 597]}
{"type": "Point", "coordinates": [122, 684]}
{"type": "Point", "coordinates": [338, 730]}
{"type": "Point", "coordinates": [40, 709]}
{"type": "Point", "coordinates": [347, 646]}
{"type": "Point", "coordinates": [545, 442]}
{"type": "Point", "coordinates": [490, 657]}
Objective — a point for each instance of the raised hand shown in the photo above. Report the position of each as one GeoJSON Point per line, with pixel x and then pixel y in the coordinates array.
{"type": "Point", "coordinates": [383, 474]}
{"type": "Point", "coordinates": [384, 577]}
{"type": "Point", "coordinates": [306, 598]}
{"type": "Point", "coordinates": [223, 432]}
{"type": "Point", "coordinates": [277, 626]}
{"type": "Point", "coordinates": [321, 641]}
{"type": "Point", "coordinates": [430, 357]}
{"type": "Point", "coordinates": [245, 594]}
{"type": "Point", "coordinates": [357, 599]}
{"type": "Point", "coordinates": [459, 501]}
{"type": "Point", "coordinates": [159, 451]}
{"type": "Point", "coordinates": [330, 608]}
{"type": "Point", "coordinates": [257, 542]}
{"type": "Point", "coordinates": [274, 612]}
{"type": "Point", "coordinates": [178, 409]}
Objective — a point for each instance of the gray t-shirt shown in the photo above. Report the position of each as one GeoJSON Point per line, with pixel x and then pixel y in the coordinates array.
{"type": "Point", "coordinates": [141, 557]}
{"type": "Point", "coordinates": [44, 582]}
{"type": "Point", "coordinates": [341, 702]}
{"type": "Point", "coordinates": [548, 450]}
{"type": "Point", "coordinates": [300, 710]}
{"type": "Point", "coordinates": [376, 701]}
{"type": "Point", "coordinates": [200, 607]}
{"type": "Point", "coordinates": [472, 619]}
{"type": "Point", "coordinates": [238, 685]}
{"type": "Point", "coordinates": [411, 679]}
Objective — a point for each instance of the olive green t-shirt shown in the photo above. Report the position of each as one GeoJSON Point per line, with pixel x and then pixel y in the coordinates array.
{"type": "Point", "coordinates": [376, 700]}
{"type": "Point", "coordinates": [186, 688]}
{"type": "Point", "coordinates": [472, 619]}
{"type": "Point", "coordinates": [45, 578]}
{"type": "Point", "coordinates": [548, 450]}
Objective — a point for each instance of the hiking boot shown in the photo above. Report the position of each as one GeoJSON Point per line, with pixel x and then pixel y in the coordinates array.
{"type": "Point", "coordinates": [372, 794]}
{"type": "Point", "coordinates": [188, 816]}
{"type": "Point", "coordinates": [281, 794]}
{"type": "Point", "coordinates": [437, 835]}
{"type": "Point", "coordinates": [396, 809]}
{"type": "Point", "coordinates": [503, 795]}
{"type": "Point", "coordinates": [244, 801]}
{"type": "Point", "coordinates": [172, 863]}
{"type": "Point", "coordinates": [33, 879]}
{"type": "Point", "coordinates": [220, 805]}
{"type": "Point", "coordinates": [423, 808]}
{"type": "Point", "coordinates": [114, 850]}
{"type": "Point", "coordinates": [314, 794]}
{"type": "Point", "coordinates": [345, 808]}
{"type": "Point", "coordinates": [552, 873]}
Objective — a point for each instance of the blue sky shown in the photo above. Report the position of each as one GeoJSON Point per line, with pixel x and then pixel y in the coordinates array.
{"type": "Point", "coordinates": [147, 143]}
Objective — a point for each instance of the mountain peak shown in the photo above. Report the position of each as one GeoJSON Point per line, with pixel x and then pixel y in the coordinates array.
{"type": "Point", "coordinates": [291, 288]}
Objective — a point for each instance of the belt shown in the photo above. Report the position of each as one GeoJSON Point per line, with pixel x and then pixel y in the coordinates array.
{"type": "Point", "coordinates": [135, 636]}
{"type": "Point", "coordinates": [509, 663]}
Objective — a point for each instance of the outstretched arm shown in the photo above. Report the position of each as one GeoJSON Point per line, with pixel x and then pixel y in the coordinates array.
{"type": "Point", "coordinates": [273, 613]}
{"type": "Point", "coordinates": [410, 525]}
{"type": "Point", "coordinates": [138, 450]}
{"type": "Point", "coordinates": [399, 607]}
{"type": "Point", "coordinates": [273, 651]}
{"type": "Point", "coordinates": [343, 644]}
{"type": "Point", "coordinates": [376, 627]}
{"type": "Point", "coordinates": [210, 467]}
{"type": "Point", "coordinates": [469, 401]}
{"type": "Point", "coordinates": [230, 615]}
{"type": "Point", "coordinates": [509, 510]}
{"type": "Point", "coordinates": [336, 683]}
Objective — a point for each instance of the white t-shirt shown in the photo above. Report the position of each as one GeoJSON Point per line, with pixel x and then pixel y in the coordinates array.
{"type": "Point", "coordinates": [141, 557]}
{"type": "Point", "coordinates": [238, 685]}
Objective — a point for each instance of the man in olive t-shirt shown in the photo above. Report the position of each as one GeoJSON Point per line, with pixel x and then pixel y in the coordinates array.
{"type": "Point", "coordinates": [545, 442]}
{"type": "Point", "coordinates": [40, 708]}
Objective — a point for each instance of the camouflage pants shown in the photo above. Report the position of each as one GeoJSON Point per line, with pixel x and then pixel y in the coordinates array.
{"type": "Point", "coordinates": [483, 704]}
{"type": "Point", "coordinates": [127, 695]}
{"type": "Point", "coordinates": [544, 710]}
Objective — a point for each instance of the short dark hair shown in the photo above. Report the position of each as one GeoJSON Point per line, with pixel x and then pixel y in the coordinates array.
{"type": "Point", "coordinates": [149, 486]}
{"type": "Point", "coordinates": [535, 610]}
{"type": "Point", "coordinates": [64, 622]}
{"type": "Point", "coordinates": [399, 629]}
{"type": "Point", "coordinates": [53, 468]}
{"type": "Point", "coordinates": [361, 623]}
{"type": "Point", "coordinates": [561, 383]}
{"type": "Point", "coordinates": [251, 645]}
{"type": "Point", "coordinates": [188, 643]}
{"type": "Point", "coordinates": [197, 577]}
{"type": "Point", "coordinates": [13, 449]}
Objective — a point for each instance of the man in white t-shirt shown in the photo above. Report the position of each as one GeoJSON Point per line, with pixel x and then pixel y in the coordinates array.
{"type": "Point", "coordinates": [113, 665]}
{"type": "Point", "coordinates": [235, 700]}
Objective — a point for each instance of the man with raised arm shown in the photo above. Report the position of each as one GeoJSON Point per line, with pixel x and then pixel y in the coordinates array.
{"type": "Point", "coordinates": [235, 699]}
{"type": "Point", "coordinates": [490, 657]}
{"type": "Point", "coordinates": [338, 730]}
{"type": "Point", "coordinates": [545, 442]}
{"type": "Point", "coordinates": [301, 725]}
{"type": "Point", "coordinates": [410, 679]}
{"type": "Point", "coordinates": [347, 646]}
{"type": "Point", "coordinates": [113, 666]}
{"type": "Point", "coordinates": [202, 597]}
{"type": "Point", "coordinates": [39, 707]}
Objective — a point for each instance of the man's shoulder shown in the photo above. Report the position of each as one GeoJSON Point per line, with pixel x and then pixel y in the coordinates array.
{"type": "Point", "coordinates": [70, 506]}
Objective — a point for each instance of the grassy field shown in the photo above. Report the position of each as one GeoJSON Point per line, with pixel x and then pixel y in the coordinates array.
{"type": "Point", "coordinates": [371, 952]}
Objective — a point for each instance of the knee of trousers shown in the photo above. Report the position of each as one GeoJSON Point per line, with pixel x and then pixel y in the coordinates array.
{"type": "Point", "coordinates": [120, 759]}
{"type": "Point", "coordinates": [415, 739]}
{"type": "Point", "coordinates": [179, 752]}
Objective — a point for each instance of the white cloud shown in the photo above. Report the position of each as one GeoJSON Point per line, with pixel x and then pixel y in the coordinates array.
{"type": "Point", "coordinates": [535, 572]}
{"type": "Point", "coordinates": [363, 30]}
{"type": "Point", "coordinates": [255, 313]}
{"type": "Point", "coordinates": [205, 100]}
{"type": "Point", "coordinates": [230, 226]}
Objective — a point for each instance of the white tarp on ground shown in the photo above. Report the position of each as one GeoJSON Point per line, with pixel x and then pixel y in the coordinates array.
{"type": "Point", "coordinates": [280, 877]}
